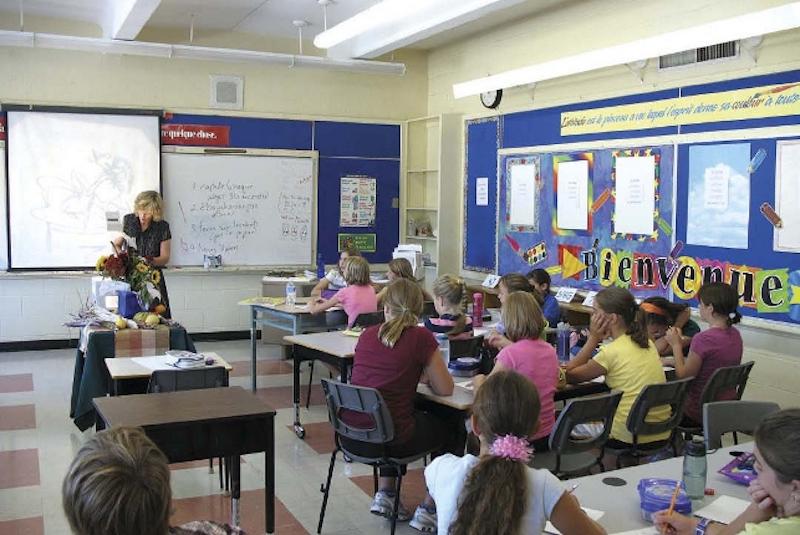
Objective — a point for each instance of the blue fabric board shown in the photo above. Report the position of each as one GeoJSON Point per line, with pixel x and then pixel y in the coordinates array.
{"type": "Point", "coordinates": [363, 140]}
{"type": "Point", "coordinates": [387, 218]}
{"type": "Point", "coordinates": [480, 222]}
{"type": "Point", "coordinates": [510, 261]}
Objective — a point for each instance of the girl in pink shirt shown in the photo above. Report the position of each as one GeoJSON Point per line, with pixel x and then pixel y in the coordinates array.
{"type": "Point", "coordinates": [530, 356]}
{"type": "Point", "coordinates": [358, 297]}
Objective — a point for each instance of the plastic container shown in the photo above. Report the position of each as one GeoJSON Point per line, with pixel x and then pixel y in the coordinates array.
{"type": "Point", "coordinates": [477, 309]}
{"type": "Point", "coordinates": [291, 294]}
{"type": "Point", "coordinates": [444, 347]}
{"type": "Point", "coordinates": [694, 468]}
{"type": "Point", "coordinates": [320, 267]}
{"type": "Point", "coordinates": [562, 342]}
{"type": "Point", "coordinates": [656, 494]}
{"type": "Point", "coordinates": [464, 367]}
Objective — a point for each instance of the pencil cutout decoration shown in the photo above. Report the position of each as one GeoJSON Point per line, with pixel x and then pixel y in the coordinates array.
{"type": "Point", "coordinates": [601, 200]}
{"type": "Point", "coordinates": [757, 160]}
{"type": "Point", "coordinates": [772, 216]}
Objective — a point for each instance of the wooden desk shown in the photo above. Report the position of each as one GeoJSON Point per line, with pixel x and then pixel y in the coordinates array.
{"type": "Point", "coordinates": [576, 313]}
{"type": "Point", "coordinates": [200, 424]}
{"type": "Point", "coordinates": [125, 368]}
{"type": "Point", "coordinates": [295, 319]}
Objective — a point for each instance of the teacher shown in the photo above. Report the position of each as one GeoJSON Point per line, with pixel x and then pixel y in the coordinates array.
{"type": "Point", "coordinates": [152, 236]}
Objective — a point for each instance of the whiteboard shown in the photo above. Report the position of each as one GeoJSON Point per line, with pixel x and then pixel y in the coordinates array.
{"type": "Point", "coordinates": [3, 232]}
{"type": "Point", "coordinates": [252, 209]}
{"type": "Point", "coordinates": [65, 170]}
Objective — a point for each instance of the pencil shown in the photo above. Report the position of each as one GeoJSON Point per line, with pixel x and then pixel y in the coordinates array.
{"type": "Point", "coordinates": [672, 503]}
{"type": "Point", "coordinates": [575, 486]}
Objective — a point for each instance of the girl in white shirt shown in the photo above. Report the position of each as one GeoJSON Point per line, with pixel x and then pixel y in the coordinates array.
{"type": "Point", "coordinates": [497, 493]}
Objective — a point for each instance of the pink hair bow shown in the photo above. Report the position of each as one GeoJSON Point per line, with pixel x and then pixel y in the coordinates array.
{"type": "Point", "coordinates": [511, 447]}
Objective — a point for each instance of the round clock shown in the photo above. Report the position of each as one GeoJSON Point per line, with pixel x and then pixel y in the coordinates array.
{"type": "Point", "coordinates": [491, 99]}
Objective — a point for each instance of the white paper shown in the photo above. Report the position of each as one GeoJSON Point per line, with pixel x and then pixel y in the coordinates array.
{"type": "Point", "coordinates": [482, 191]}
{"type": "Point", "coordinates": [522, 209]}
{"type": "Point", "coordinates": [594, 514]}
{"type": "Point", "coordinates": [491, 281]}
{"type": "Point", "coordinates": [588, 301]}
{"type": "Point", "coordinates": [565, 294]}
{"type": "Point", "coordinates": [724, 509]}
{"type": "Point", "coordinates": [635, 195]}
{"type": "Point", "coordinates": [158, 362]}
{"type": "Point", "coordinates": [573, 193]}
{"type": "Point", "coordinates": [716, 185]}
{"type": "Point", "coordinates": [787, 196]}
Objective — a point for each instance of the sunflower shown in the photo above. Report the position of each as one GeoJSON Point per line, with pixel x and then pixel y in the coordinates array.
{"type": "Point", "coordinates": [155, 276]}
{"type": "Point", "coordinates": [141, 267]}
{"type": "Point", "coordinates": [101, 263]}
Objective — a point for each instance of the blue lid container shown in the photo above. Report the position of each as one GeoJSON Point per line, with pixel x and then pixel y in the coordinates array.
{"type": "Point", "coordinates": [656, 494]}
{"type": "Point", "coordinates": [464, 366]}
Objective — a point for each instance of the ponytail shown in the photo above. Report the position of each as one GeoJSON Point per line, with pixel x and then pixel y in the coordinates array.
{"type": "Point", "coordinates": [637, 327]}
{"type": "Point", "coordinates": [620, 301]}
{"type": "Point", "coordinates": [404, 302]}
{"type": "Point", "coordinates": [723, 300]}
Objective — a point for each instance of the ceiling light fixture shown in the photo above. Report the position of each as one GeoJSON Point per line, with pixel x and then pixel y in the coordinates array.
{"type": "Point", "coordinates": [753, 24]}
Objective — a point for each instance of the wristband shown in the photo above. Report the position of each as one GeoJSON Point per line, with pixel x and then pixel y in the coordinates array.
{"type": "Point", "coordinates": [701, 527]}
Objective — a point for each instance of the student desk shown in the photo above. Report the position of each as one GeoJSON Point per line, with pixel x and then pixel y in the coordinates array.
{"type": "Point", "coordinates": [295, 319]}
{"type": "Point", "coordinates": [621, 504]}
{"type": "Point", "coordinates": [127, 368]}
{"type": "Point", "coordinates": [200, 424]}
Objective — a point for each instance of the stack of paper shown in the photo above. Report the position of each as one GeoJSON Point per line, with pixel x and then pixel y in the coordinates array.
{"type": "Point", "coordinates": [412, 253]}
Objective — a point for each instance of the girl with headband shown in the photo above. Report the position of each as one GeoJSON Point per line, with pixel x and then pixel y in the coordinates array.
{"type": "Point", "coordinates": [661, 314]}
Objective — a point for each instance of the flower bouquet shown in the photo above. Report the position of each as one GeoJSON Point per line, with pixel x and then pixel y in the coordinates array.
{"type": "Point", "coordinates": [129, 267]}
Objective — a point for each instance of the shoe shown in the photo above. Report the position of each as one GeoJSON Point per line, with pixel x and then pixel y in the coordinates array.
{"type": "Point", "coordinates": [423, 520]}
{"type": "Point", "coordinates": [383, 505]}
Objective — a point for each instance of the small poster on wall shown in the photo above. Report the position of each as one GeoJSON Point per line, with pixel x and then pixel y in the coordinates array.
{"type": "Point", "coordinates": [719, 195]}
{"type": "Point", "coordinates": [786, 220]}
{"type": "Point", "coordinates": [357, 201]}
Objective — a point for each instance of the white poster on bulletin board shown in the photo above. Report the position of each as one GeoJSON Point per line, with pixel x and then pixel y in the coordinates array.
{"type": "Point", "coordinates": [787, 196]}
{"type": "Point", "coordinates": [635, 195]}
{"type": "Point", "coordinates": [572, 211]}
{"type": "Point", "coordinates": [482, 191]}
{"type": "Point", "coordinates": [522, 194]}
{"type": "Point", "coordinates": [357, 201]}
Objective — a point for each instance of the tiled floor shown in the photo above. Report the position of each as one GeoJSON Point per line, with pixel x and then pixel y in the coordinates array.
{"type": "Point", "coordinates": [38, 441]}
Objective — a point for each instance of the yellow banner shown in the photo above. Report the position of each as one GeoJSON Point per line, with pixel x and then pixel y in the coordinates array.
{"type": "Point", "coordinates": [752, 103]}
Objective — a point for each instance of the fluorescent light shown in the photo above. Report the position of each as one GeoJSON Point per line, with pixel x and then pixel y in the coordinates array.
{"type": "Point", "coordinates": [392, 24]}
{"type": "Point", "coordinates": [763, 22]}
{"type": "Point", "coordinates": [107, 46]}
{"type": "Point", "coordinates": [9, 38]}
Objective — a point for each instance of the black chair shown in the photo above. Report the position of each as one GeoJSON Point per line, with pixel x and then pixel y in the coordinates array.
{"type": "Point", "coordinates": [429, 310]}
{"type": "Point", "coordinates": [365, 401]}
{"type": "Point", "coordinates": [193, 379]}
{"type": "Point", "coordinates": [673, 394]}
{"type": "Point", "coordinates": [570, 455]}
{"type": "Point", "coordinates": [722, 417]}
{"type": "Point", "coordinates": [725, 380]}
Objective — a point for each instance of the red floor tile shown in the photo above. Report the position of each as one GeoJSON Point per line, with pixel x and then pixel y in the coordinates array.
{"type": "Point", "coordinates": [412, 492]}
{"type": "Point", "coordinates": [16, 417]}
{"type": "Point", "coordinates": [280, 397]}
{"type": "Point", "coordinates": [20, 468]}
{"type": "Point", "coordinates": [263, 367]}
{"type": "Point", "coordinates": [22, 382]}
{"type": "Point", "coordinates": [218, 509]}
{"type": "Point", "coordinates": [24, 526]}
{"type": "Point", "coordinates": [319, 436]}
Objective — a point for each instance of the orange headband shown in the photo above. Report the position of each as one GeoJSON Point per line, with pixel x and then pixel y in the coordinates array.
{"type": "Point", "coordinates": [650, 308]}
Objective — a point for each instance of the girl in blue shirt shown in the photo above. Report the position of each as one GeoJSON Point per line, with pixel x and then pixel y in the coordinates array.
{"type": "Point", "coordinates": [540, 280]}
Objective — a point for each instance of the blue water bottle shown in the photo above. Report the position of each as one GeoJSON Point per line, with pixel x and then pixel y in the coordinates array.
{"type": "Point", "coordinates": [562, 342]}
{"type": "Point", "coordinates": [320, 267]}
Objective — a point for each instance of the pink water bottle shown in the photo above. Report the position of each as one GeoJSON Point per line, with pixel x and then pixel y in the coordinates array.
{"type": "Point", "coordinates": [477, 309]}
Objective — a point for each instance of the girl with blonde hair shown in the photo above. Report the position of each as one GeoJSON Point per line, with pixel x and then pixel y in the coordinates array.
{"type": "Point", "coordinates": [358, 297]}
{"type": "Point", "coordinates": [449, 299]}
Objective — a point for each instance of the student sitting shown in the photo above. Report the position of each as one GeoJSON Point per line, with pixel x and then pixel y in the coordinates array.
{"type": "Point", "coordinates": [509, 283]}
{"type": "Point", "coordinates": [662, 314]}
{"type": "Point", "coordinates": [334, 278]}
{"type": "Point", "coordinates": [530, 356]}
{"type": "Point", "coordinates": [774, 494]}
{"type": "Point", "coordinates": [497, 493]}
{"type": "Point", "coordinates": [393, 357]}
{"type": "Point", "coordinates": [449, 294]}
{"type": "Point", "coordinates": [718, 346]}
{"type": "Point", "coordinates": [400, 268]}
{"type": "Point", "coordinates": [540, 280]}
{"type": "Point", "coordinates": [358, 297]}
{"type": "Point", "coordinates": [118, 484]}
{"type": "Point", "coordinates": [630, 362]}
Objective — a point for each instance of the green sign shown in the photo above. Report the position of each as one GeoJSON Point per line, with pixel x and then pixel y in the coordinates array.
{"type": "Point", "coordinates": [363, 242]}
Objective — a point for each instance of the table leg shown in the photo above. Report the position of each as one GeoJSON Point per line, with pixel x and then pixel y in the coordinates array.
{"type": "Point", "coordinates": [253, 350]}
{"type": "Point", "coordinates": [298, 429]}
{"type": "Point", "coordinates": [343, 370]}
{"type": "Point", "coordinates": [269, 476]}
{"type": "Point", "coordinates": [235, 489]}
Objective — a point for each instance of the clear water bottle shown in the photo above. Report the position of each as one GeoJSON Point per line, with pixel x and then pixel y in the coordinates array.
{"type": "Point", "coordinates": [444, 347]}
{"type": "Point", "coordinates": [291, 294]}
{"type": "Point", "coordinates": [320, 267]}
{"type": "Point", "coordinates": [694, 468]}
{"type": "Point", "coordinates": [562, 342]}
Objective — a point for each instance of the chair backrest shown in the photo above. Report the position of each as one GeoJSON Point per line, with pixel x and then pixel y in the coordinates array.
{"type": "Point", "coordinates": [466, 347]}
{"type": "Point", "coordinates": [188, 379]}
{"type": "Point", "coordinates": [672, 393]}
{"type": "Point", "coordinates": [359, 404]}
{"type": "Point", "coordinates": [720, 417]}
{"type": "Point", "coordinates": [429, 310]}
{"type": "Point", "coordinates": [727, 379]}
{"type": "Point", "coordinates": [368, 319]}
{"type": "Point", "coordinates": [584, 410]}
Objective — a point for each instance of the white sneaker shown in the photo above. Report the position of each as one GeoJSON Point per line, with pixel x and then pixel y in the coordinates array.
{"type": "Point", "coordinates": [383, 505]}
{"type": "Point", "coordinates": [423, 520]}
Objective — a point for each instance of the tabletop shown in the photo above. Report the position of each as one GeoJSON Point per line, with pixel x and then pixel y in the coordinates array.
{"type": "Point", "coordinates": [334, 343]}
{"type": "Point", "coordinates": [132, 368]}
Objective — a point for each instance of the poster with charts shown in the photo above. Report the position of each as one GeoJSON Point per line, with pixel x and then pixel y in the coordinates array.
{"type": "Point", "coordinates": [719, 195]}
{"type": "Point", "coordinates": [357, 201]}
{"type": "Point", "coordinates": [787, 196]}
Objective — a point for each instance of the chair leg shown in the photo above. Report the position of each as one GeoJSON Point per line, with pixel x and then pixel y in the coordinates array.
{"type": "Point", "coordinates": [310, 380]}
{"type": "Point", "coordinates": [399, 482]}
{"type": "Point", "coordinates": [735, 438]}
{"type": "Point", "coordinates": [374, 479]}
{"type": "Point", "coordinates": [221, 462]}
{"type": "Point", "coordinates": [210, 465]}
{"type": "Point", "coordinates": [326, 490]}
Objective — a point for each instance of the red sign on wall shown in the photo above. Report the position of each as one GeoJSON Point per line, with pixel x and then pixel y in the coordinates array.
{"type": "Point", "coordinates": [2, 128]}
{"type": "Point", "coordinates": [195, 134]}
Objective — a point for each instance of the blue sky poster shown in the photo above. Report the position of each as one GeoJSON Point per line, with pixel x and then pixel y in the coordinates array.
{"type": "Point", "coordinates": [719, 195]}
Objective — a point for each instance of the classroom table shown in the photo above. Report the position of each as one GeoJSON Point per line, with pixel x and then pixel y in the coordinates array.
{"type": "Point", "coordinates": [295, 319]}
{"type": "Point", "coordinates": [621, 504]}
{"type": "Point", "coordinates": [201, 424]}
{"type": "Point", "coordinates": [91, 379]}
{"type": "Point", "coordinates": [128, 368]}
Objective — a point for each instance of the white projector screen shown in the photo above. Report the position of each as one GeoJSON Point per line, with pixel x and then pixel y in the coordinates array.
{"type": "Point", "coordinates": [65, 171]}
